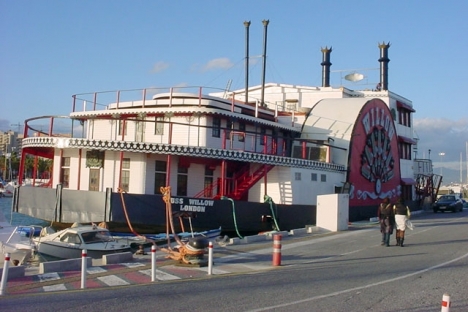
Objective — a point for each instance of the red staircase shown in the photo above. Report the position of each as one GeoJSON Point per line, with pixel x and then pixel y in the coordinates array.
{"type": "Point", "coordinates": [246, 180]}
{"type": "Point", "coordinates": [243, 181]}
{"type": "Point", "coordinates": [208, 192]}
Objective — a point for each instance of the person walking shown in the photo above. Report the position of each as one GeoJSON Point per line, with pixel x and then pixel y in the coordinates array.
{"type": "Point", "coordinates": [386, 219]}
{"type": "Point", "coordinates": [402, 214]}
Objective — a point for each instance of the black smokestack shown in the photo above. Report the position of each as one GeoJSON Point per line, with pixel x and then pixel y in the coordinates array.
{"type": "Point", "coordinates": [326, 66]}
{"type": "Point", "coordinates": [265, 29]}
{"type": "Point", "coordinates": [384, 64]}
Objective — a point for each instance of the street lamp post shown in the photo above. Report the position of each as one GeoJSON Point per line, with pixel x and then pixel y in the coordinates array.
{"type": "Point", "coordinates": [5, 166]}
{"type": "Point", "coordinates": [441, 154]}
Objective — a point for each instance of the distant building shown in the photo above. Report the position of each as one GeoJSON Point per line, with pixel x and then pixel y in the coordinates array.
{"type": "Point", "coordinates": [10, 141]}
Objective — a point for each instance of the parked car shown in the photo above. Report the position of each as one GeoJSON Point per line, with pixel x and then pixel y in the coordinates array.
{"type": "Point", "coordinates": [451, 203]}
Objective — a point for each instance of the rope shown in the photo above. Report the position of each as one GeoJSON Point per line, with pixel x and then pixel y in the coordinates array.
{"type": "Point", "coordinates": [234, 216]}
{"type": "Point", "coordinates": [191, 228]}
{"type": "Point", "coordinates": [270, 200]}
{"type": "Point", "coordinates": [184, 250]}
{"type": "Point", "coordinates": [166, 191]}
{"type": "Point", "coordinates": [124, 206]}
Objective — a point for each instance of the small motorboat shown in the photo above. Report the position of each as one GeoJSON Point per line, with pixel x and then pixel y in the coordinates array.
{"type": "Point", "coordinates": [6, 189]}
{"type": "Point", "coordinates": [70, 242]}
{"type": "Point", "coordinates": [16, 241]}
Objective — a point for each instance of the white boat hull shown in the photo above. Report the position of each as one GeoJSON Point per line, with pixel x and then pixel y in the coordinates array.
{"type": "Point", "coordinates": [71, 242]}
{"type": "Point", "coordinates": [71, 251]}
{"type": "Point", "coordinates": [19, 247]}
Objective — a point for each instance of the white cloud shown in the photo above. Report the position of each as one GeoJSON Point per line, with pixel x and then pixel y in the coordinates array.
{"type": "Point", "coordinates": [441, 135]}
{"type": "Point", "coordinates": [219, 63]}
{"type": "Point", "coordinates": [159, 67]}
{"type": "Point", "coordinates": [4, 125]}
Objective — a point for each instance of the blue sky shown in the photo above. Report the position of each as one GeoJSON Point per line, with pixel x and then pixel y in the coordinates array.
{"type": "Point", "coordinates": [53, 49]}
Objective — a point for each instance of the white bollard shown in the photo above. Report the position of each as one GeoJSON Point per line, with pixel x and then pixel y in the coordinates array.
{"type": "Point", "coordinates": [210, 258]}
{"type": "Point", "coordinates": [153, 263]}
{"type": "Point", "coordinates": [6, 266]}
{"type": "Point", "coordinates": [84, 254]}
{"type": "Point", "coordinates": [445, 303]}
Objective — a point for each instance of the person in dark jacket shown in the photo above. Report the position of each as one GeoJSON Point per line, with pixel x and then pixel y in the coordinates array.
{"type": "Point", "coordinates": [402, 214]}
{"type": "Point", "coordinates": [386, 219]}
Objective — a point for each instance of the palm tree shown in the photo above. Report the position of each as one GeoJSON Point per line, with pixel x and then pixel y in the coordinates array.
{"type": "Point", "coordinates": [44, 167]}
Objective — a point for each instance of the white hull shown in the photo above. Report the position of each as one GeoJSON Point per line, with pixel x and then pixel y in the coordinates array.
{"type": "Point", "coordinates": [70, 243]}
{"type": "Point", "coordinates": [6, 193]}
{"type": "Point", "coordinates": [71, 251]}
{"type": "Point", "coordinates": [20, 247]}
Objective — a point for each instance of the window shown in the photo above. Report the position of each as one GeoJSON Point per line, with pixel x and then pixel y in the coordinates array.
{"type": "Point", "coordinates": [404, 117]}
{"type": "Point", "coordinates": [216, 130]}
{"type": "Point", "coordinates": [274, 138]}
{"type": "Point", "coordinates": [122, 125]}
{"type": "Point", "coordinates": [71, 238]}
{"type": "Point", "coordinates": [297, 176]}
{"type": "Point", "coordinates": [241, 136]}
{"type": "Point", "coordinates": [406, 192]}
{"type": "Point", "coordinates": [404, 113]}
{"type": "Point", "coordinates": [228, 129]}
{"type": "Point", "coordinates": [208, 184]}
{"type": "Point", "coordinates": [140, 131]}
{"type": "Point", "coordinates": [159, 176]}
{"type": "Point", "coordinates": [323, 178]}
{"type": "Point", "coordinates": [65, 172]}
{"type": "Point", "coordinates": [404, 150]}
{"type": "Point", "coordinates": [313, 177]}
{"type": "Point", "coordinates": [125, 174]}
{"type": "Point", "coordinates": [159, 125]}
{"type": "Point", "coordinates": [182, 179]}
{"type": "Point", "coordinates": [287, 142]}
{"type": "Point", "coordinates": [262, 136]}
{"type": "Point", "coordinates": [94, 178]}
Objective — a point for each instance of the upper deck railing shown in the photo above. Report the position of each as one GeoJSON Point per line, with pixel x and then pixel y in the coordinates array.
{"type": "Point", "coordinates": [141, 98]}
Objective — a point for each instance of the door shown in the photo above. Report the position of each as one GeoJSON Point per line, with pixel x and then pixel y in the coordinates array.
{"type": "Point", "coordinates": [94, 179]}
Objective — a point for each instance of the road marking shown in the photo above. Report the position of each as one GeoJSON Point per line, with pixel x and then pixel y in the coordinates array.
{"type": "Point", "coordinates": [214, 270]}
{"type": "Point", "coordinates": [360, 287]}
{"type": "Point", "coordinates": [133, 264]}
{"type": "Point", "coordinates": [57, 287]}
{"type": "Point", "coordinates": [95, 270]}
{"type": "Point", "coordinates": [285, 246]}
{"type": "Point", "coordinates": [160, 275]}
{"type": "Point", "coordinates": [48, 277]}
{"type": "Point", "coordinates": [113, 280]}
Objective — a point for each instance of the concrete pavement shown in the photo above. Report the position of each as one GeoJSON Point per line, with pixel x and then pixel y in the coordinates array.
{"type": "Point", "coordinates": [238, 256]}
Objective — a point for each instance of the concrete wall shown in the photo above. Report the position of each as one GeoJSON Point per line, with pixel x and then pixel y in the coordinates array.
{"type": "Point", "coordinates": [332, 212]}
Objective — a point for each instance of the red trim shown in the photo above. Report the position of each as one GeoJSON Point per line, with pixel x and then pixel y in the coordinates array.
{"type": "Point", "coordinates": [406, 140]}
{"type": "Point", "coordinates": [405, 106]}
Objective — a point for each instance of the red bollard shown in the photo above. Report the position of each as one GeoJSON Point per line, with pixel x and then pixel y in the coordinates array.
{"type": "Point", "coordinates": [445, 303]}
{"type": "Point", "coordinates": [276, 250]}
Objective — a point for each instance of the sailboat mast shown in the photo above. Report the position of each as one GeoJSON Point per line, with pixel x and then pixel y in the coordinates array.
{"type": "Point", "coordinates": [247, 25]}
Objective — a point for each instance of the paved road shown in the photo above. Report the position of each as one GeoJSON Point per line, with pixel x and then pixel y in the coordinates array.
{"type": "Point", "coordinates": [348, 271]}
